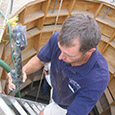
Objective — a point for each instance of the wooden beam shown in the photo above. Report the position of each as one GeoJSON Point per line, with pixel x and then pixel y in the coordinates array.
{"type": "Point", "coordinates": [98, 10]}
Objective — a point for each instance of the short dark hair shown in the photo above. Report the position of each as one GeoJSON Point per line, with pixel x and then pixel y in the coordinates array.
{"type": "Point", "coordinates": [82, 27]}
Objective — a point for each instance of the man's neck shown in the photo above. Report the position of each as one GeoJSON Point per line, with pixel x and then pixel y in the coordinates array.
{"type": "Point", "coordinates": [83, 61]}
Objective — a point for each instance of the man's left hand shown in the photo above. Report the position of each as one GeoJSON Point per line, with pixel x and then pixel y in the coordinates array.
{"type": "Point", "coordinates": [42, 112]}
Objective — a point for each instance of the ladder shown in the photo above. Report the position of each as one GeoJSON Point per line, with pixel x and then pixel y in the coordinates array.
{"type": "Point", "coordinates": [10, 105]}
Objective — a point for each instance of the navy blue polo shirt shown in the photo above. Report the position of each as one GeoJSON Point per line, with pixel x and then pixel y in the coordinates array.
{"type": "Point", "coordinates": [76, 88]}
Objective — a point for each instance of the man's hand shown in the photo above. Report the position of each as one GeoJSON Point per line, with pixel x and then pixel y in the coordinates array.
{"type": "Point", "coordinates": [42, 112]}
{"type": "Point", "coordinates": [24, 76]}
{"type": "Point", "coordinates": [11, 86]}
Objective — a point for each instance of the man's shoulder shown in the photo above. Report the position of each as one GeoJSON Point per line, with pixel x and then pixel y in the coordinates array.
{"type": "Point", "coordinates": [101, 67]}
{"type": "Point", "coordinates": [54, 39]}
{"type": "Point", "coordinates": [55, 35]}
{"type": "Point", "coordinates": [101, 61]}
{"type": "Point", "coordinates": [98, 67]}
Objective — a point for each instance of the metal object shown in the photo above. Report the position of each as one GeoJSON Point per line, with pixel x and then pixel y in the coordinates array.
{"type": "Point", "coordinates": [105, 13]}
{"type": "Point", "coordinates": [5, 108]}
{"type": "Point", "coordinates": [19, 38]}
{"type": "Point", "coordinates": [54, 6]}
{"type": "Point", "coordinates": [16, 80]}
{"type": "Point", "coordinates": [12, 106]}
{"type": "Point", "coordinates": [16, 75]}
{"type": "Point", "coordinates": [11, 6]}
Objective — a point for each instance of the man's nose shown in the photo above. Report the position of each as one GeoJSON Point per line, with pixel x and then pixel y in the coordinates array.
{"type": "Point", "coordinates": [62, 56]}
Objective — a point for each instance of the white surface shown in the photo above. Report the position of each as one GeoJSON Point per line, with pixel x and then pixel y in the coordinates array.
{"type": "Point", "coordinates": [5, 107]}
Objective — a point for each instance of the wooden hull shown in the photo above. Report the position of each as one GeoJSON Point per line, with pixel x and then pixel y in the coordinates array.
{"type": "Point", "coordinates": [41, 23]}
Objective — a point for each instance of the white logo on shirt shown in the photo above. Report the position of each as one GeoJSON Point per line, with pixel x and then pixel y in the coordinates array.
{"type": "Point", "coordinates": [73, 85]}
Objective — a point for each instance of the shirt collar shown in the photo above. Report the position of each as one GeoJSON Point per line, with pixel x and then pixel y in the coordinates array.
{"type": "Point", "coordinates": [85, 68]}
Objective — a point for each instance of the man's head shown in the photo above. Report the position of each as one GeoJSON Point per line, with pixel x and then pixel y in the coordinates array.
{"type": "Point", "coordinates": [80, 30]}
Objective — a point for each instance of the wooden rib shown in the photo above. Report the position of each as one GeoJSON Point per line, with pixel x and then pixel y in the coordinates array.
{"type": "Point", "coordinates": [1, 50]}
{"type": "Point", "coordinates": [22, 16]}
{"type": "Point", "coordinates": [108, 96]}
{"type": "Point", "coordinates": [105, 21]}
{"type": "Point", "coordinates": [111, 69]}
{"type": "Point", "coordinates": [110, 5]}
{"type": "Point", "coordinates": [112, 87]}
{"type": "Point", "coordinates": [71, 5]}
{"type": "Point", "coordinates": [98, 10]}
{"type": "Point", "coordinates": [40, 23]}
{"type": "Point", "coordinates": [44, 8]}
{"type": "Point", "coordinates": [103, 51]}
{"type": "Point", "coordinates": [113, 36]}
{"type": "Point", "coordinates": [112, 43]}
{"type": "Point", "coordinates": [99, 107]}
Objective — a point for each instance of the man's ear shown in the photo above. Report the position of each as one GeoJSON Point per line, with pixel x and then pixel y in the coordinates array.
{"type": "Point", "coordinates": [91, 50]}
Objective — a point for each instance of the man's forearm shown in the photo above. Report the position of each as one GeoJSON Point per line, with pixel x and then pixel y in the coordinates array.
{"type": "Point", "coordinates": [33, 65]}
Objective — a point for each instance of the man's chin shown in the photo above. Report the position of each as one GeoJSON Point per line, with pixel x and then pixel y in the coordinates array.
{"type": "Point", "coordinates": [67, 62]}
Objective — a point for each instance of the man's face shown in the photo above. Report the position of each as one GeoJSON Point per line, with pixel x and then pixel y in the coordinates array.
{"type": "Point", "coordinates": [71, 55]}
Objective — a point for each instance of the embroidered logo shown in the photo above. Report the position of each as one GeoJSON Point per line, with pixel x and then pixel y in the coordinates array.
{"type": "Point", "coordinates": [73, 85]}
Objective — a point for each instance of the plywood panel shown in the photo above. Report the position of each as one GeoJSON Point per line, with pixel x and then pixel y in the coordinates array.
{"type": "Point", "coordinates": [86, 6]}
{"type": "Point", "coordinates": [82, 12]}
{"type": "Point", "coordinates": [66, 4]}
{"type": "Point", "coordinates": [28, 54]}
{"type": "Point", "coordinates": [32, 32]}
{"type": "Point", "coordinates": [45, 37]}
{"type": "Point", "coordinates": [106, 21]}
{"type": "Point", "coordinates": [52, 3]}
{"type": "Point", "coordinates": [110, 15]}
{"type": "Point", "coordinates": [50, 20]}
{"type": "Point", "coordinates": [34, 16]}
{"type": "Point", "coordinates": [33, 8]}
{"type": "Point", "coordinates": [106, 30]}
{"type": "Point", "coordinates": [31, 24]}
{"type": "Point", "coordinates": [61, 19]}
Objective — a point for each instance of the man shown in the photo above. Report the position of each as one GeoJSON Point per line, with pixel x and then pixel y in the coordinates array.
{"type": "Point", "coordinates": [79, 73]}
